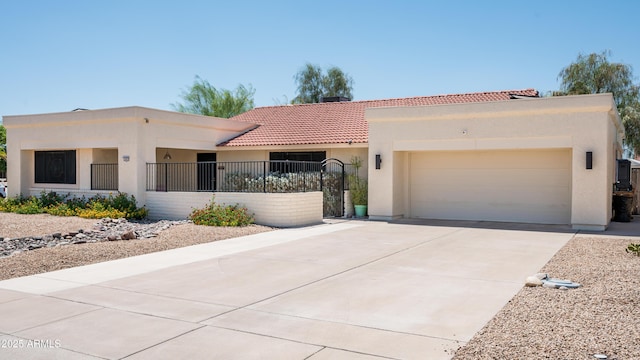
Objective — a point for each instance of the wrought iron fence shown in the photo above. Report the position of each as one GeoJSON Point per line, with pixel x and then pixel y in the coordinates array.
{"type": "Point", "coordinates": [242, 176]}
{"type": "Point", "coordinates": [104, 176]}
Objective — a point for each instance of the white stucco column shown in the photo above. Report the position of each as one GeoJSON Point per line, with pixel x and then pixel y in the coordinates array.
{"type": "Point", "coordinates": [381, 190]}
{"type": "Point", "coordinates": [592, 188]}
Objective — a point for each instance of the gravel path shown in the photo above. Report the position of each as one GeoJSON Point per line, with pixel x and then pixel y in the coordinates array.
{"type": "Point", "coordinates": [601, 317]}
{"type": "Point", "coordinates": [62, 257]}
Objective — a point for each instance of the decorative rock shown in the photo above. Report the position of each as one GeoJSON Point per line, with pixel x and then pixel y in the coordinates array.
{"type": "Point", "coordinates": [542, 276]}
{"type": "Point", "coordinates": [104, 230]}
{"type": "Point", "coordinates": [129, 235]}
{"type": "Point", "coordinates": [533, 281]}
{"type": "Point", "coordinates": [550, 285]}
{"type": "Point", "coordinates": [563, 288]}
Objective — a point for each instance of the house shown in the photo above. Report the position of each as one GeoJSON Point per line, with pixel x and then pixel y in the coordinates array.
{"type": "Point", "coordinates": [503, 156]}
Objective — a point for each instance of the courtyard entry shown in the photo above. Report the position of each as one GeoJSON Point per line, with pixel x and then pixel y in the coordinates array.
{"type": "Point", "coordinates": [206, 171]}
{"type": "Point", "coordinates": [333, 187]}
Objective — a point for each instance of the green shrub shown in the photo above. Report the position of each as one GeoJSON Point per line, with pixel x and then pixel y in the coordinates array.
{"type": "Point", "coordinates": [95, 207]}
{"type": "Point", "coordinates": [9, 204]}
{"type": "Point", "coordinates": [51, 198]}
{"type": "Point", "coordinates": [97, 210]}
{"type": "Point", "coordinates": [61, 210]}
{"type": "Point", "coordinates": [221, 215]}
{"type": "Point", "coordinates": [31, 206]}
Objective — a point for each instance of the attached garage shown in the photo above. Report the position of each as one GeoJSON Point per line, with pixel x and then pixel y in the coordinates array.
{"type": "Point", "coordinates": [533, 160]}
{"type": "Point", "coordinates": [520, 186]}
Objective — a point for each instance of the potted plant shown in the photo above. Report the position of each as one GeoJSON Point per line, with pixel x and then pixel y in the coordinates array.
{"type": "Point", "coordinates": [358, 188]}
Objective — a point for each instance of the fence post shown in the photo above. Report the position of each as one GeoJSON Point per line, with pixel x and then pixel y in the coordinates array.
{"type": "Point", "coordinates": [264, 176]}
{"type": "Point", "coordinates": [166, 177]}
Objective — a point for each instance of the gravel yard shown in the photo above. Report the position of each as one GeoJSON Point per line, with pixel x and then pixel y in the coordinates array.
{"type": "Point", "coordinates": [62, 257]}
{"type": "Point", "coordinates": [601, 317]}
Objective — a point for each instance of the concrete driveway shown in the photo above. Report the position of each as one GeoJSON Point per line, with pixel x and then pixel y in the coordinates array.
{"type": "Point", "coordinates": [346, 290]}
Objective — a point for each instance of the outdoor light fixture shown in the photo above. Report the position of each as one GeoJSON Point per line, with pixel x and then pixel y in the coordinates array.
{"type": "Point", "coordinates": [125, 158]}
{"type": "Point", "coordinates": [167, 156]}
{"type": "Point", "coordinates": [589, 160]}
{"type": "Point", "coordinates": [378, 161]}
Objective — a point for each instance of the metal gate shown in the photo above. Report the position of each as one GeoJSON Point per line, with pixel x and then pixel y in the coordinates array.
{"type": "Point", "coordinates": [333, 185]}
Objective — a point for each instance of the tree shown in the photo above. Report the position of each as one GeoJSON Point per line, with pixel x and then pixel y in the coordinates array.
{"type": "Point", "coordinates": [314, 84]}
{"type": "Point", "coordinates": [3, 149]}
{"type": "Point", "coordinates": [204, 99]}
{"type": "Point", "coordinates": [594, 74]}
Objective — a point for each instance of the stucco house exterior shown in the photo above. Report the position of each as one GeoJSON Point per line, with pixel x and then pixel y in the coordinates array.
{"type": "Point", "coordinates": [500, 156]}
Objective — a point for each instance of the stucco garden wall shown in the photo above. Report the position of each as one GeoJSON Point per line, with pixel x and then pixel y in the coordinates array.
{"type": "Point", "coordinates": [272, 209]}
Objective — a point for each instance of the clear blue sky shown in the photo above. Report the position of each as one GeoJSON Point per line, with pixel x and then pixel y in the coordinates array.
{"type": "Point", "coordinates": [61, 55]}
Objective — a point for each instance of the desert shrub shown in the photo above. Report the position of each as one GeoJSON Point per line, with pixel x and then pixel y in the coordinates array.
{"type": "Point", "coordinates": [275, 182]}
{"type": "Point", "coordinates": [30, 206]}
{"type": "Point", "coordinates": [61, 210]}
{"type": "Point", "coordinates": [95, 207]}
{"type": "Point", "coordinates": [122, 203]}
{"type": "Point", "coordinates": [221, 215]}
{"type": "Point", "coordinates": [51, 198]}
{"type": "Point", "coordinates": [10, 204]}
{"type": "Point", "coordinates": [97, 210]}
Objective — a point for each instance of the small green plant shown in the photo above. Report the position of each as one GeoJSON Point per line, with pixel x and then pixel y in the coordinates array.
{"type": "Point", "coordinates": [358, 187]}
{"type": "Point", "coordinates": [633, 249]}
{"type": "Point", "coordinates": [221, 215]}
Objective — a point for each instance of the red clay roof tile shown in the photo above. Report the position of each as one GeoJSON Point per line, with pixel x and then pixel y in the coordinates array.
{"type": "Point", "coordinates": [336, 122]}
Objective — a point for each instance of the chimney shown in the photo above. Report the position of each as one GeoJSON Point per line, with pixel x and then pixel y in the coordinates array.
{"type": "Point", "coordinates": [329, 99]}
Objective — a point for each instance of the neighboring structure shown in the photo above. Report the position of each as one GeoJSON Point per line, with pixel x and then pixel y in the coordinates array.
{"type": "Point", "coordinates": [425, 143]}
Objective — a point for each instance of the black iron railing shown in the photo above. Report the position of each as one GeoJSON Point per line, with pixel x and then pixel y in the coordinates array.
{"type": "Point", "coordinates": [104, 176]}
{"type": "Point", "coordinates": [242, 176]}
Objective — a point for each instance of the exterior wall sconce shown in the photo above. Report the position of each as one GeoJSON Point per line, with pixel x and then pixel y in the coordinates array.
{"type": "Point", "coordinates": [167, 156]}
{"type": "Point", "coordinates": [378, 161]}
{"type": "Point", "coordinates": [125, 158]}
{"type": "Point", "coordinates": [589, 164]}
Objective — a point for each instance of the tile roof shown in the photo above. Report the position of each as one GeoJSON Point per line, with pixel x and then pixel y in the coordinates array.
{"type": "Point", "coordinates": [336, 122]}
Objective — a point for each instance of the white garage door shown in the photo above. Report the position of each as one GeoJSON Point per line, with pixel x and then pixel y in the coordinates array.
{"type": "Point", "coordinates": [531, 186]}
